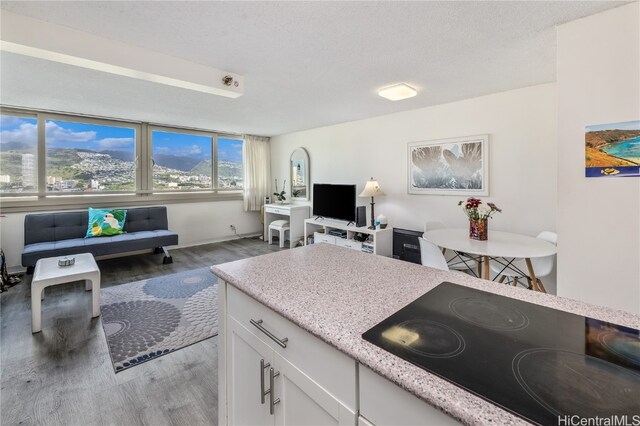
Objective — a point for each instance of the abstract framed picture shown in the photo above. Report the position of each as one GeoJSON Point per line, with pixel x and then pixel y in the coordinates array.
{"type": "Point", "coordinates": [612, 150]}
{"type": "Point", "coordinates": [455, 166]}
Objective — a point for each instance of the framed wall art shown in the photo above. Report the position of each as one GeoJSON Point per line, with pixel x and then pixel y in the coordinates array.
{"type": "Point", "coordinates": [612, 150]}
{"type": "Point", "coordinates": [456, 166]}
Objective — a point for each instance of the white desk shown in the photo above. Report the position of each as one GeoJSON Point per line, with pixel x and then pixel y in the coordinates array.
{"type": "Point", "coordinates": [294, 213]}
{"type": "Point", "coordinates": [499, 244]}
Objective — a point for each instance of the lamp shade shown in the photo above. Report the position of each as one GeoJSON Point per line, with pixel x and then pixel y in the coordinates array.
{"type": "Point", "coordinates": [372, 189]}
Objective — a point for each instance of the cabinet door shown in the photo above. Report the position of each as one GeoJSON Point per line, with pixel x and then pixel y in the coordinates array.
{"type": "Point", "coordinates": [244, 354]}
{"type": "Point", "coordinates": [304, 402]}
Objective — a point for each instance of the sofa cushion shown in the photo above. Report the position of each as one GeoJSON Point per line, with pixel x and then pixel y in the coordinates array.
{"type": "Point", "coordinates": [47, 227]}
{"type": "Point", "coordinates": [99, 246]}
{"type": "Point", "coordinates": [146, 219]}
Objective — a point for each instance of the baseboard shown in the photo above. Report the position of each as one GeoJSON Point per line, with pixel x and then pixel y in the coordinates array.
{"type": "Point", "coordinates": [220, 240]}
{"type": "Point", "coordinates": [21, 269]}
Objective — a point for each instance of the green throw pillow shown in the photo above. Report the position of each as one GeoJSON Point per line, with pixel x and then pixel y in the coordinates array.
{"type": "Point", "coordinates": [105, 223]}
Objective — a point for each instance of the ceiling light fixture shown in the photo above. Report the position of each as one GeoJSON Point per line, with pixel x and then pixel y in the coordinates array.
{"type": "Point", "coordinates": [43, 40]}
{"type": "Point", "coordinates": [397, 92]}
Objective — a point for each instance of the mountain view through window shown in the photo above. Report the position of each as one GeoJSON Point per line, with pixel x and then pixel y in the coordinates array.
{"type": "Point", "coordinates": [18, 154]}
{"type": "Point", "coordinates": [184, 161]}
{"type": "Point", "coordinates": [89, 156]}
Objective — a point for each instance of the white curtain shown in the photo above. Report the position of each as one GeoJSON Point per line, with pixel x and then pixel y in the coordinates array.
{"type": "Point", "coordinates": [257, 171]}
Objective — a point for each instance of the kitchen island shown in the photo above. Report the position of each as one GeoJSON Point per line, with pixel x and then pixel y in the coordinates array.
{"type": "Point", "coordinates": [297, 318]}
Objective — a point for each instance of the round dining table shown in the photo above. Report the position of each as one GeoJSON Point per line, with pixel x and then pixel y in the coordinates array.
{"type": "Point", "coordinates": [506, 245]}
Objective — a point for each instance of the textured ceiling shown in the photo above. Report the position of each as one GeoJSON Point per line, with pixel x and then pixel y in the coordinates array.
{"type": "Point", "coordinates": [305, 64]}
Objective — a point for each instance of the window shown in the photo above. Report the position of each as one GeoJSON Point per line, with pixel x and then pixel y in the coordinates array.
{"type": "Point", "coordinates": [51, 159]}
{"type": "Point", "coordinates": [85, 157]}
{"type": "Point", "coordinates": [181, 161]}
{"type": "Point", "coordinates": [230, 170]}
{"type": "Point", "coordinates": [187, 161]}
{"type": "Point", "coordinates": [18, 154]}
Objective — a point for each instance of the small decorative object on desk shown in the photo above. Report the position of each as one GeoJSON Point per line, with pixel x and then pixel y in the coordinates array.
{"type": "Point", "coordinates": [66, 261]}
{"type": "Point", "coordinates": [281, 195]}
{"type": "Point", "coordinates": [479, 216]}
{"type": "Point", "coordinates": [383, 221]}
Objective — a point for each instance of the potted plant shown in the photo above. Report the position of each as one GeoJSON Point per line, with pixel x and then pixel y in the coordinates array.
{"type": "Point", "coordinates": [281, 194]}
{"type": "Point", "coordinates": [479, 216]}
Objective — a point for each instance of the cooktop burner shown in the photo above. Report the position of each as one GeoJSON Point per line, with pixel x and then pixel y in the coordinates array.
{"type": "Point", "coordinates": [426, 338]}
{"type": "Point", "coordinates": [582, 383]}
{"type": "Point", "coordinates": [487, 314]}
{"type": "Point", "coordinates": [536, 362]}
{"type": "Point", "coordinates": [622, 345]}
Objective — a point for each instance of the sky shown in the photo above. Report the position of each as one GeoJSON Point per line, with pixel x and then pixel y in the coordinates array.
{"type": "Point", "coordinates": [626, 125]}
{"type": "Point", "coordinates": [64, 134]}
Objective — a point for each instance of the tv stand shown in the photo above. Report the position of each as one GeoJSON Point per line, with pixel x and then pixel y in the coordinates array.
{"type": "Point", "coordinates": [379, 241]}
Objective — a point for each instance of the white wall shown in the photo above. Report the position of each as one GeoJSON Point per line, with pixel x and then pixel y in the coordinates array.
{"type": "Point", "coordinates": [598, 219]}
{"type": "Point", "coordinates": [522, 128]}
{"type": "Point", "coordinates": [195, 223]}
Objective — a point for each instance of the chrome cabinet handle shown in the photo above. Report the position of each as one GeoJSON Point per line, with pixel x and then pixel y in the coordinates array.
{"type": "Point", "coordinates": [273, 402]}
{"type": "Point", "coordinates": [263, 367]}
{"type": "Point", "coordinates": [272, 336]}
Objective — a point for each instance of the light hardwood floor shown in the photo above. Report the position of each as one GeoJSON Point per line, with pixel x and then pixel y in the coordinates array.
{"type": "Point", "coordinates": [64, 376]}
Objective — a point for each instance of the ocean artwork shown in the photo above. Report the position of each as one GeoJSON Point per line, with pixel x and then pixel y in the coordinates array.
{"type": "Point", "coordinates": [456, 166]}
{"type": "Point", "coordinates": [612, 150]}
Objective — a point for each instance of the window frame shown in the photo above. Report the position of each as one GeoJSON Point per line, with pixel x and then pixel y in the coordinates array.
{"type": "Point", "coordinates": [137, 127]}
{"type": "Point", "coordinates": [143, 194]}
{"type": "Point", "coordinates": [234, 137]}
{"type": "Point", "coordinates": [214, 154]}
{"type": "Point", "coordinates": [25, 114]}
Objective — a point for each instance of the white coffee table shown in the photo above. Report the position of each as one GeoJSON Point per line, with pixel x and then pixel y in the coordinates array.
{"type": "Point", "coordinates": [47, 273]}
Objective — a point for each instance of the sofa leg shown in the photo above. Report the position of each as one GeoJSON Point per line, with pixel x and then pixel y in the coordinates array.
{"type": "Point", "coordinates": [158, 250]}
{"type": "Point", "coordinates": [30, 270]}
{"type": "Point", "coordinates": [167, 258]}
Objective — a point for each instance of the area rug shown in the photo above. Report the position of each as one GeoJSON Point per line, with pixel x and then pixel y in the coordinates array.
{"type": "Point", "coordinates": [146, 319]}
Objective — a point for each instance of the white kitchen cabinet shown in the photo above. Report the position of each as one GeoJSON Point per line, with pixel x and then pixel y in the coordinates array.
{"type": "Point", "coordinates": [313, 383]}
{"type": "Point", "coordinates": [364, 422]}
{"type": "Point", "coordinates": [324, 394]}
{"type": "Point", "coordinates": [304, 402]}
{"type": "Point", "coordinates": [384, 403]}
{"type": "Point", "coordinates": [244, 354]}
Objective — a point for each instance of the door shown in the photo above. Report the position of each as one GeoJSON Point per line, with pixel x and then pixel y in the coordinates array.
{"type": "Point", "coordinates": [248, 361]}
{"type": "Point", "coordinates": [303, 402]}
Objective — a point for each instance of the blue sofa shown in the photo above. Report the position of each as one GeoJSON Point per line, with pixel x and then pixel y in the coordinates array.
{"type": "Point", "coordinates": [63, 234]}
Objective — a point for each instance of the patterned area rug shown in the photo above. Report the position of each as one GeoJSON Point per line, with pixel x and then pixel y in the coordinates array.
{"type": "Point", "coordinates": [147, 319]}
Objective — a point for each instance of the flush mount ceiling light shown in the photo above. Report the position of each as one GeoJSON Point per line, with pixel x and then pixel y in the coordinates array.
{"type": "Point", "coordinates": [397, 92]}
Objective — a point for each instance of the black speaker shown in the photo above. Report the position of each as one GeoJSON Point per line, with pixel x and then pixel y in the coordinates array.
{"type": "Point", "coordinates": [361, 216]}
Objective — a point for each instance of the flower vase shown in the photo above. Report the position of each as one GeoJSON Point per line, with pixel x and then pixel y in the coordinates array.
{"type": "Point", "coordinates": [478, 229]}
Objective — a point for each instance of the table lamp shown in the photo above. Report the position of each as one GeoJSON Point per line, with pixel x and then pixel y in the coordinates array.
{"type": "Point", "coordinates": [371, 189]}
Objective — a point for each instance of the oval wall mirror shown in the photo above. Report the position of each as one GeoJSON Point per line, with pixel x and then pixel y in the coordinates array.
{"type": "Point", "coordinates": [299, 166]}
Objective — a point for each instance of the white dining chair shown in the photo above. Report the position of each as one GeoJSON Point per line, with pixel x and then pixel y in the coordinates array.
{"type": "Point", "coordinates": [456, 261]}
{"type": "Point", "coordinates": [430, 255]}
{"type": "Point", "coordinates": [542, 266]}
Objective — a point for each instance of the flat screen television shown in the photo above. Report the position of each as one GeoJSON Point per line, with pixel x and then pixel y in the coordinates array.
{"type": "Point", "coordinates": [334, 201]}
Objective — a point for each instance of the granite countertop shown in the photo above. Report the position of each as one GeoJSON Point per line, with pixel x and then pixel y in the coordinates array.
{"type": "Point", "coordinates": [337, 294]}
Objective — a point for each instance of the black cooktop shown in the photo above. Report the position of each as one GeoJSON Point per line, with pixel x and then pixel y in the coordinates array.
{"type": "Point", "coordinates": [537, 362]}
